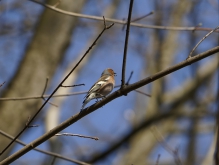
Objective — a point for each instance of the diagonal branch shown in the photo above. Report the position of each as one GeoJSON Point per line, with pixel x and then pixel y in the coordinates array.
{"type": "Point", "coordinates": [2, 84]}
{"type": "Point", "coordinates": [45, 152]}
{"type": "Point", "coordinates": [190, 55]}
{"type": "Point", "coordinates": [111, 97]}
{"type": "Point", "coordinates": [60, 84]}
{"type": "Point", "coordinates": [78, 135]}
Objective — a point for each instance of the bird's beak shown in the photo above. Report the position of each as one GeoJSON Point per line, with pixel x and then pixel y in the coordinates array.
{"type": "Point", "coordinates": [115, 74]}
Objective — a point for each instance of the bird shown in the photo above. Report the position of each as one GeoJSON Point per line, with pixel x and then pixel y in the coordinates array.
{"type": "Point", "coordinates": [102, 87]}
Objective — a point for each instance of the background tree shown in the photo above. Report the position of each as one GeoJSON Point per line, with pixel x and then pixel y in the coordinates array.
{"type": "Point", "coordinates": [37, 43]}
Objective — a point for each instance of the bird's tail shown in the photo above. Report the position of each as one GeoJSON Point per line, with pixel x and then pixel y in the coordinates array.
{"type": "Point", "coordinates": [84, 103]}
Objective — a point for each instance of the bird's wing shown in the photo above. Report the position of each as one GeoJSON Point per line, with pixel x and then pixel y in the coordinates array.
{"type": "Point", "coordinates": [98, 84]}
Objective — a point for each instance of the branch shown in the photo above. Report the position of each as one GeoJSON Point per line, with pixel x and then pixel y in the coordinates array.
{"type": "Point", "coordinates": [2, 84]}
{"type": "Point", "coordinates": [58, 95]}
{"type": "Point", "coordinates": [39, 97]}
{"type": "Point", "coordinates": [30, 126]}
{"type": "Point", "coordinates": [60, 84]}
{"type": "Point", "coordinates": [45, 152]}
{"type": "Point", "coordinates": [70, 134]}
{"type": "Point", "coordinates": [111, 97]}
{"type": "Point", "coordinates": [190, 55]}
{"type": "Point", "coordinates": [121, 21]}
{"type": "Point", "coordinates": [142, 17]}
{"type": "Point", "coordinates": [47, 79]}
{"type": "Point", "coordinates": [126, 43]}
{"type": "Point", "coordinates": [71, 86]}
{"type": "Point", "coordinates": [139, 18]}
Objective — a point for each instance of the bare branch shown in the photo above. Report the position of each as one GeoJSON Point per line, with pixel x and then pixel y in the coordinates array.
{"type": "Point", "coordinates": [60, 84]}
{"type": "Point", "coordinates": [39, 97]}
{"type": "Point", "coordinates": [30, 126]}
{"type": "Point", "coordinates": [2, 84]}
{"type": "Point", "coordinates": [190, 55]}
{"type": "Point", "coordinates": [111, 97]}
{"type": "Point", "coordinates": [126, 44]}
{"type": "Point", "coordinates": [83, 136]}
{"type": "Point", "coordinates": [58, 95]}
{"type": "Point", "coordinates": [139, 18]}
{"type": "Point", "coordinates": [127, 83]}
{"type": "Point", "coordinates": [47, 79]}
{"type": "Point", "coordinates": [138, 91]}
{"type": "Point", "coordinates": [66, 86]}
{"type": "Point", "coordinates": [142, 17]}
{"type": "Point", "coordinates": [122, 21]}
{"type": "Point", "coordinates": [44, 90]}
{"type": "Point", "coordinates": [45, 152]}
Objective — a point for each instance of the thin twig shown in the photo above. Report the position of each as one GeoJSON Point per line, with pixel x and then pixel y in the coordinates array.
{"type": "Point", "coordinates": [66, 86]}
{"type": "Point", "coordinates": [60, 84]}
{"type": "Point", "coordinates": [39, 97]}
{"type": "Point", "coordinates": [58, 95]}
{"type": "Point", "coordinates": [43, 151]}
{"type": "Point", "coordinates": [70, 134]}
{"type": "Point", "coordinates": [136, 90]}
{"type": "Point", "coordinates": [126, 44]}
{"type": "Point", "coordinates": [127, 83]}
{"type": "Point", "coordinates": [121, 21]}
{"type": "Point", "coordinates": [143, 93]}
{"type": "Point", "coordinates": [139, 18]}
{"type": "Point", "coordinates": [190, 55]}
{"type": "Point", "coordinates": [44, 90]}
{"type": "Point", "coordinates": [2, 84]}
{"type": "Point", "coordinates": [51, 103]}
{"type": "Point", "coordinates": [108, 99]}
{"type": "Point", "coordinates": [30, 126]}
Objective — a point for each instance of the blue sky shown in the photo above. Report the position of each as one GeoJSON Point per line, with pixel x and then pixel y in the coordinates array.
{"type": "Point", "coordinates": [111, 120]}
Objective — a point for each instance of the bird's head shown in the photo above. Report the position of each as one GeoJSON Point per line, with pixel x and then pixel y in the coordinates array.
{"type": "Point", "coordinates": [109, 72]}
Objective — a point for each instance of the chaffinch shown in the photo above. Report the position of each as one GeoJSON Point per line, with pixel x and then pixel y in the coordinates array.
{"type": "Point", "coordinates": [102, 87]}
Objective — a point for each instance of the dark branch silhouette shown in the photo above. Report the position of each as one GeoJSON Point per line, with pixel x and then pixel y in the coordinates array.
{"type": "Point", "coordinates": [126, 44]}
{"type": "Point", "coordinates": [60, 84]}
{"type": "Point", "coordinates": [45, 152]}
{"type": "Point", "coordinates": [111, 97]}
